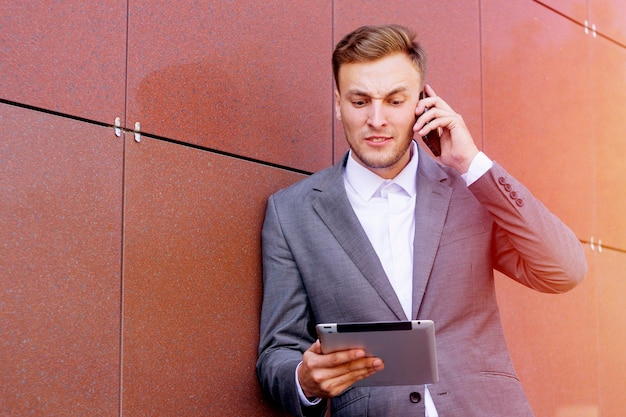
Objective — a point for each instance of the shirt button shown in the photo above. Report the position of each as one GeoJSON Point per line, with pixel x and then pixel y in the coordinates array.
{"type": "Point", "coordinates": [415, 397]}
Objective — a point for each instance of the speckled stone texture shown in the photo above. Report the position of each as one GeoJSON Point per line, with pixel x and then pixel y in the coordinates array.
{"type": "Point", "coordinates": [130, 275]}
{"type": "Point", "coordinates": [250, 78]}
{"type": "Point", "coordinates": [65, 56]}
{"type": "Point", "coordinates": [192, 287]}
{"type": "Point", "coordinates": [60, 266]}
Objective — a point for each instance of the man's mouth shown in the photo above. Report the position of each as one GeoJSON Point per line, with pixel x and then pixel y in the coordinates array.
{"type": "Point", "coordinates": [377, 139]}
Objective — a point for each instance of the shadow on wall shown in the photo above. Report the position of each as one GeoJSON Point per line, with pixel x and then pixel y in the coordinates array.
{"type": "Point", "coordinates": [245, 104]}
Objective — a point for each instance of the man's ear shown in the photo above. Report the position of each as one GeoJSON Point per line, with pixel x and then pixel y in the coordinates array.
{"type": "Point", "coordinates": [337, 105]}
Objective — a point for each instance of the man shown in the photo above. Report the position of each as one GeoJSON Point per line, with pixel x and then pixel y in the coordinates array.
{"type": "Point", "coordinates": [391, 234]}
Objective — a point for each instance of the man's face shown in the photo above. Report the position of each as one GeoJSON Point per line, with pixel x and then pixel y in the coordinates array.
{"type": "Point", "coordinates": [376, 102]}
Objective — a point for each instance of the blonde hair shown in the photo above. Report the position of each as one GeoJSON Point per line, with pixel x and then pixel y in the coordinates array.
{"type": "Point", "coordinates": [370, 43]}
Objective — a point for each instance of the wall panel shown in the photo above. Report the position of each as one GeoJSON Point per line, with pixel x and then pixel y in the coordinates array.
{"type": "Point", "coordinates": [536, 79]}
{"type": "Point", "coordinates": [60, 266]}
{"type": "Point", "coordinates": [450, 33]}
{"type": "Point", "coordinates": [609, 16]}
{"type": "Point", "coordinates": [65, 56]}
{"type": "Point", "coordinates": [537, 94]}
{"type": "Point", "coordinates": [192, 280]}
{"type": "Point", "coordinates": [574, 9]}
{"type": "Point", "coordinates": [552, 342]}
{"type": "Point", "coordinates": [609, 120]}
{"type": "Point", "coordinates": [612, 332]}
{"type": "Point", "coordinates": [250, 78]}
{"type": "Point", "coordinates": [124, 264]}
{"type": "Point", "coordinates": [608, 116]}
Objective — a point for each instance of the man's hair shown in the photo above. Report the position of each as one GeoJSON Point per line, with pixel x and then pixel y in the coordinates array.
{"type": "Point", "coordinates": [370, 43]}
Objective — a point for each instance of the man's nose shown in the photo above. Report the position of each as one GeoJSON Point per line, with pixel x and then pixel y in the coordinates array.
{"type": "Point", "coordinates": [377, 118]}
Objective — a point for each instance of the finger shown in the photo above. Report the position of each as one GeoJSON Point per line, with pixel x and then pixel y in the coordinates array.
{"type": "Point", "coordinates": [339, 356]}
{"type": "Point", "coordinates": [316, 347]}
{"type": "Point", "coordinates": [432, 119]}
{"type": "Point", "coordinates": [427, 123]}
{"type": "Point", "coordinates": [313, 358]}
{"type": "Point", "coordinates": [339, 379]}
{"type": "Point", "coordinates": [353, 369]}
{"type": "Point", "coordinates": [438, 118]}
{"type": "Point", "coordinates": [430, 92]}
{"type": "Point", "coordinates": [424, 103]}
{"type": "Point", "coordinates": [323, 366]}
{"type": "Point", "coordinates": [345, 357]}
{"type": "Point", "coordinates": [434, 101]}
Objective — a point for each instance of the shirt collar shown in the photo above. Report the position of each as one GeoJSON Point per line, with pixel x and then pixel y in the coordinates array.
{"type": "Point", "coordinates": [365, 183]}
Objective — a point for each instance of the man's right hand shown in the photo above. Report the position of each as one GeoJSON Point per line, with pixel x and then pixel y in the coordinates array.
{"type": "Point", "coordinates": [328, 375]}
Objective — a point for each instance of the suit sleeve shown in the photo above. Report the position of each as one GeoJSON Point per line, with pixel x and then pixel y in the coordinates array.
{"type": "Point", "coordinates": [531, 245]}
{"type": "Point", "coordinates": [285, 330]}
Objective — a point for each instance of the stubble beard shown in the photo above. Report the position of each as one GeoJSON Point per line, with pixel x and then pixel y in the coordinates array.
{"type": "Point", "coordinates": [381, 160]}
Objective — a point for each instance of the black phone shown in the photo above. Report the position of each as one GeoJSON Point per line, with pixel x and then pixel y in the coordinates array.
{"type": "Point", "coordinates": [433, 138]}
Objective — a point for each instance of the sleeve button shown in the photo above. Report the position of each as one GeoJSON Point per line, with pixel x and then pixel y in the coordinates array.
{"type": "Point", "coordinates": [415, 397]}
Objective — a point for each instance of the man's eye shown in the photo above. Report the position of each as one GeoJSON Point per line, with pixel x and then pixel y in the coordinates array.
{"type": "Point", "coordinates": [358, 103]}
{"type": "Point", "coordinates": [396, 102]}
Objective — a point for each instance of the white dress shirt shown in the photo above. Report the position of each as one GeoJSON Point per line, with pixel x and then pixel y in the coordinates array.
{"type": "Point", "coordinates": [386, 210]}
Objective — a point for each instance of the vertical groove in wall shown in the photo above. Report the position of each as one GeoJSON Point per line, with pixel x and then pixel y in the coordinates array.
{"type": "Point", "coordinates": [482, 75]}
{"type": "Point", "coordinates": [121, 341]}
{"type": "Point", "coordinates": [333, 142]}
{"type": "Point", "coordinates": [125, 123]}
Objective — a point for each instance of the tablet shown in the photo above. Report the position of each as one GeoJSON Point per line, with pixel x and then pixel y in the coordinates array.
{"type": "Point", "coordinates": [407, 349]}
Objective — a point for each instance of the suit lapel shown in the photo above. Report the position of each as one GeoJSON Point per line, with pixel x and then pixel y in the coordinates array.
{"type": "Point", "coordinates": [333, 207]}
{"type": "Point", "coordinates": [431, 208]}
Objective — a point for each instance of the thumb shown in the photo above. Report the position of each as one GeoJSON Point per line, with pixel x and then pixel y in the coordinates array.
{"type": "Point", "coordinates": [316, 347]}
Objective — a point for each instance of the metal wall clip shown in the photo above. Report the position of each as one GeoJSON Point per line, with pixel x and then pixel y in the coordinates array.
{"type": "Point", "coordinates": [593, 30]}
{"type": "Point", "coordinates": [118, 125]}
{"type": "Point", "coordinates": [137, 132]}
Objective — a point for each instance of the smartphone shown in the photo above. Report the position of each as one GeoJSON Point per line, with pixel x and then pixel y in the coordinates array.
{"type": "Point", "coordinates": [433, 138]}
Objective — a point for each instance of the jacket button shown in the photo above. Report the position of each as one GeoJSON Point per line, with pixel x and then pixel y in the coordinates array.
{"type": "Point", "coordinates": [519, 202]}
{"type": "Point", "coordinates": [502, 180]}
{"type": "Point", "coordinates": [507, 187]}
{"type": "Point", "coordinates": [514, 195]}
{"type": "Point", "coordinates": [415, 397]}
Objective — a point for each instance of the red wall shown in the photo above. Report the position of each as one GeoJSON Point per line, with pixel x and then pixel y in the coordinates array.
{"type": "Point", "coordinates": [130, 266]}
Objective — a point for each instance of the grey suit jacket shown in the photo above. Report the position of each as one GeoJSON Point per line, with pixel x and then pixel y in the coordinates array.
{"type": "Point", "coordinates": [318, 266]}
